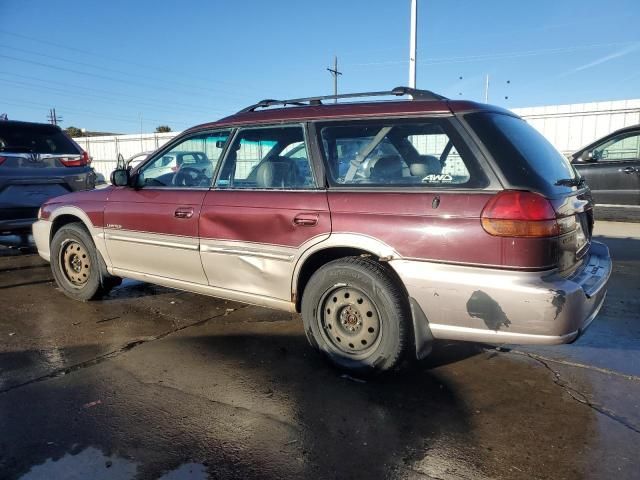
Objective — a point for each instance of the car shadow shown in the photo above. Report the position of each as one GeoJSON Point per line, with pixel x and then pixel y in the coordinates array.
{"type": "Point", "coordinates": [277, 412]}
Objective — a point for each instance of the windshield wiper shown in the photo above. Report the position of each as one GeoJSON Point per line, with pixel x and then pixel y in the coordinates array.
{"type": "Point", "coordinates": [571, 182]}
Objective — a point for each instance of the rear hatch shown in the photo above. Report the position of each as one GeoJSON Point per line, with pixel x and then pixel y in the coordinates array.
{"type": "Point", "coordinates": [528, 162]}
{"type": "Point", "coordinates": [38, 162]}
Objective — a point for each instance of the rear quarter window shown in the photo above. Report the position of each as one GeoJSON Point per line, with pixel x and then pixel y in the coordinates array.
{"type": "Point", "coordinates": [525, 157]}
{"type": "Point", "coordinates": [35, 139]}
{"type": "Point", "coordinates": [425, 153]}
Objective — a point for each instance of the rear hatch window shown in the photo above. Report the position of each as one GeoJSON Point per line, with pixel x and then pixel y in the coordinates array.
{"type": "Point", "coordinates": [24, 145]}
{"type": "Point", "coordinates": [35, 139]}
{"type": "Point", "coordinates": [525, 157]}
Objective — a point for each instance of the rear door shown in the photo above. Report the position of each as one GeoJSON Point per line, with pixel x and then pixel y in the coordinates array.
{"type": "Point", "coordinates": [265, 210]}
{"type": "Point", "coordinates": [153, 229]}
{"type": "Point", "coordinates": [613, 174]}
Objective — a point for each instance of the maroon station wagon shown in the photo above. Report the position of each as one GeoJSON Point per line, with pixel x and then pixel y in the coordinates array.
{"type": "Point", "coordinates": [387, 224]}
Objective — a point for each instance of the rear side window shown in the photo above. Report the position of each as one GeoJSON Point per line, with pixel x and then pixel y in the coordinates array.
{"type": "Point", "coordinates": [35, 139]}
{"type": "Point", "coordinates": [524, 156]}
{"type": "Point", "coordinates": [426, 153]}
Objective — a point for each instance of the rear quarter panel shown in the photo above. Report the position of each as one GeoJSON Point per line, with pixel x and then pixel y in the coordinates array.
{"type": "Point", "coordinates": [449, 233]}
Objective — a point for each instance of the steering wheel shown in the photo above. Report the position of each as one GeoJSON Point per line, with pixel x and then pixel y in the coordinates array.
{"type": "Point", "coordinates": [190, 177]}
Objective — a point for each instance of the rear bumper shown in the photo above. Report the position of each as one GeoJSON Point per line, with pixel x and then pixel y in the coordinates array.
{"type": "Point", "coordinates": [498, 306]}
{"type": "Point", "coordinates": [41, 232]}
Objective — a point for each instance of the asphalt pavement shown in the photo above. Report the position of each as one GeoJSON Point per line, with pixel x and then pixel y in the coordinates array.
{"type": "Point", "coordinates": [155, 383]}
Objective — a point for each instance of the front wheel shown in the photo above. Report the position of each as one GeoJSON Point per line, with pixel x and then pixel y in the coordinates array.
{"type": "Point", "coordinates": [356, 314]}
{"type": "Point", "coordinates": [77, 266]}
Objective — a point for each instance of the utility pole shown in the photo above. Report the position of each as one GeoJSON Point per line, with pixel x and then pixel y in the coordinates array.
{"type": "Point", "coordinates": [334, 71]}
{"type": "Point", "coordinates": [413, 44]}
{"type": "Point", "coordinates": [53, 118]}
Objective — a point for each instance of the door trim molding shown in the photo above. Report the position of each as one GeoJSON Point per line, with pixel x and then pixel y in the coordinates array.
{"type": "Point", "coordinates": [156, 239]}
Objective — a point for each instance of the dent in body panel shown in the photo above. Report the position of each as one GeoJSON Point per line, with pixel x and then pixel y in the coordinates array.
{"type": "Point", "coordinates": [258, 269]}
{"type": "Point", "coordinates": [169, 256]}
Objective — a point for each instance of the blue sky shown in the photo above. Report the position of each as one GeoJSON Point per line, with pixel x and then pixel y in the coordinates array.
{"type": "Point", "coordinates": [105, 64]}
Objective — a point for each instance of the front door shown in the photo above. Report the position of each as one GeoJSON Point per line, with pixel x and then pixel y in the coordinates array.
{"type": "Point", "coordinates": [265, 210]}
{"type": "Point", "coordinates": [152, 229]}
{"type": "Point", "coordinates": [614, 172]}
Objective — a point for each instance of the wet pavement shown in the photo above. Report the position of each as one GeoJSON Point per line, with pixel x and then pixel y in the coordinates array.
{"type": "Point", "coordinates": [155, 383]}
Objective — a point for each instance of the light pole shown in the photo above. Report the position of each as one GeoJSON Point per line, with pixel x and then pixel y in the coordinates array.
{"type": "Point", "coordinates": [413, 53]}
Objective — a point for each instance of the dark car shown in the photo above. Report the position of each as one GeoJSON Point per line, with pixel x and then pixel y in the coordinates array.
{"type": "Point", "coordinates": [611, 168]}
{"type": "Point", "coordinates": [37, 162]}
{"type": "Point", "coordinates": [386, 224]}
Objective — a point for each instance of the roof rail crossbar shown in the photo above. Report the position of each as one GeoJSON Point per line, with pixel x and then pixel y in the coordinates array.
{"type": "Point", "coordinates": [414, 93]}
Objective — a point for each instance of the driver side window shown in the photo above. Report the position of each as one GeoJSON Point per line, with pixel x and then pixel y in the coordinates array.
{"type": "Point", "coordinates": [624, 147]}
{"type": "Point", "coordinates": [189, 164]}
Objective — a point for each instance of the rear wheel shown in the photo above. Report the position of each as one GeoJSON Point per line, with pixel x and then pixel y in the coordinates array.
{"type": "Point", "coordinates": [77, 266]}
{"type": "Point", "coordinates": [356, 314]}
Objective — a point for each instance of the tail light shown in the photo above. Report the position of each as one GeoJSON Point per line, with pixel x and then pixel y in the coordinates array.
{"type": "Point", "coordinates": [2, 159]}
{"type": "Point", "coordinates": [513, 213]}
{"type": "Point", "coordinates": [76, 160]}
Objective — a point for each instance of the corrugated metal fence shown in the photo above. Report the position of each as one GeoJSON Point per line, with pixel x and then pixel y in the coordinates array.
{"type": "Point", "coordinates": [572, 126]}
{"type": "Point", "coordinates": [568, 127]}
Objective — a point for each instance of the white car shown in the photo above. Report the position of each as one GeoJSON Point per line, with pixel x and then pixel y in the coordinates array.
{"type": "Point", "coordinates": [137, 159]}
{"type": "Point", "coordinates": [174, 161]}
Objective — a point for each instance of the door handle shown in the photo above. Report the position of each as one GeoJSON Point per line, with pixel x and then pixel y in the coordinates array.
{"type": "Point", "coordinates": [183, 212]}
{"type": "Point", "coordinates": [628, 170]}
{"type": "Point", "coordinates": [306, 219]}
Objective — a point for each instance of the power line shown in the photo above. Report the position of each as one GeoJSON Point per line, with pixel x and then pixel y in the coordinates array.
{"type": "Point", "coordinates": [112, 98]}
{"type": "Point", "coordinates": [491, 56]}
{"type": "Point", "coordinates": [107, 92]}
{"type": "Point", "coordinates": [28, 104]}
{"type": "Point", "coordinates": [119, 72]}
{"type": "Point", "coordinates": [113, 59]}
{"type": "Point", "coordinates": [79, 72]}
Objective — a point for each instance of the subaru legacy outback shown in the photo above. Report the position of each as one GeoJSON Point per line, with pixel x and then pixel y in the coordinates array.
{"type": "Point", "coordinates": [387, 225]}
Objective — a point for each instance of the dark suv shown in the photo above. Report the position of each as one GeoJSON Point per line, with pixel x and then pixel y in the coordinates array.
{"type": "Point", "coordinates": [37, 162]}
{"type": "Point", "coordinates": [386, 224]}
{"type": "Point", "coordinates": [611, 168]}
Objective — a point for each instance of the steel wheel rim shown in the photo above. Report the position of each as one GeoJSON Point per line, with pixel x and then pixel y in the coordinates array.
{"type": "Point", "coordinates": [75, 263]}
{"type": "Point", "coordinates": [349, 321]}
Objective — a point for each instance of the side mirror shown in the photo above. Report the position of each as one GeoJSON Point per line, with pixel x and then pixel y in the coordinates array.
{"type": "Point", "coordinates": [586, 157]}
{"type": "Point", "coordinates": [120, 177]}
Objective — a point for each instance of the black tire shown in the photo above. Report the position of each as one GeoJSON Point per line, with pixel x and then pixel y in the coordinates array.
{"type": "Point", "coordinates": [356, 313]}
{"type": "Point", "coordinates": [71, 247]}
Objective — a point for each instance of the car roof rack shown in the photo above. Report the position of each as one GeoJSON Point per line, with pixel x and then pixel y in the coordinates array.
{"type": "Point", "coordinates": [414, 93]}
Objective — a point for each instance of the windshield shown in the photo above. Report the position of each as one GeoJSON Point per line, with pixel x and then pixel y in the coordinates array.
{"type": "Point", "coordinates": [526, 158]}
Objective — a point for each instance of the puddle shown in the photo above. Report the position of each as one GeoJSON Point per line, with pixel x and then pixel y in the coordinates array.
{"type": "Point", "coordinates": [92, 464]}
